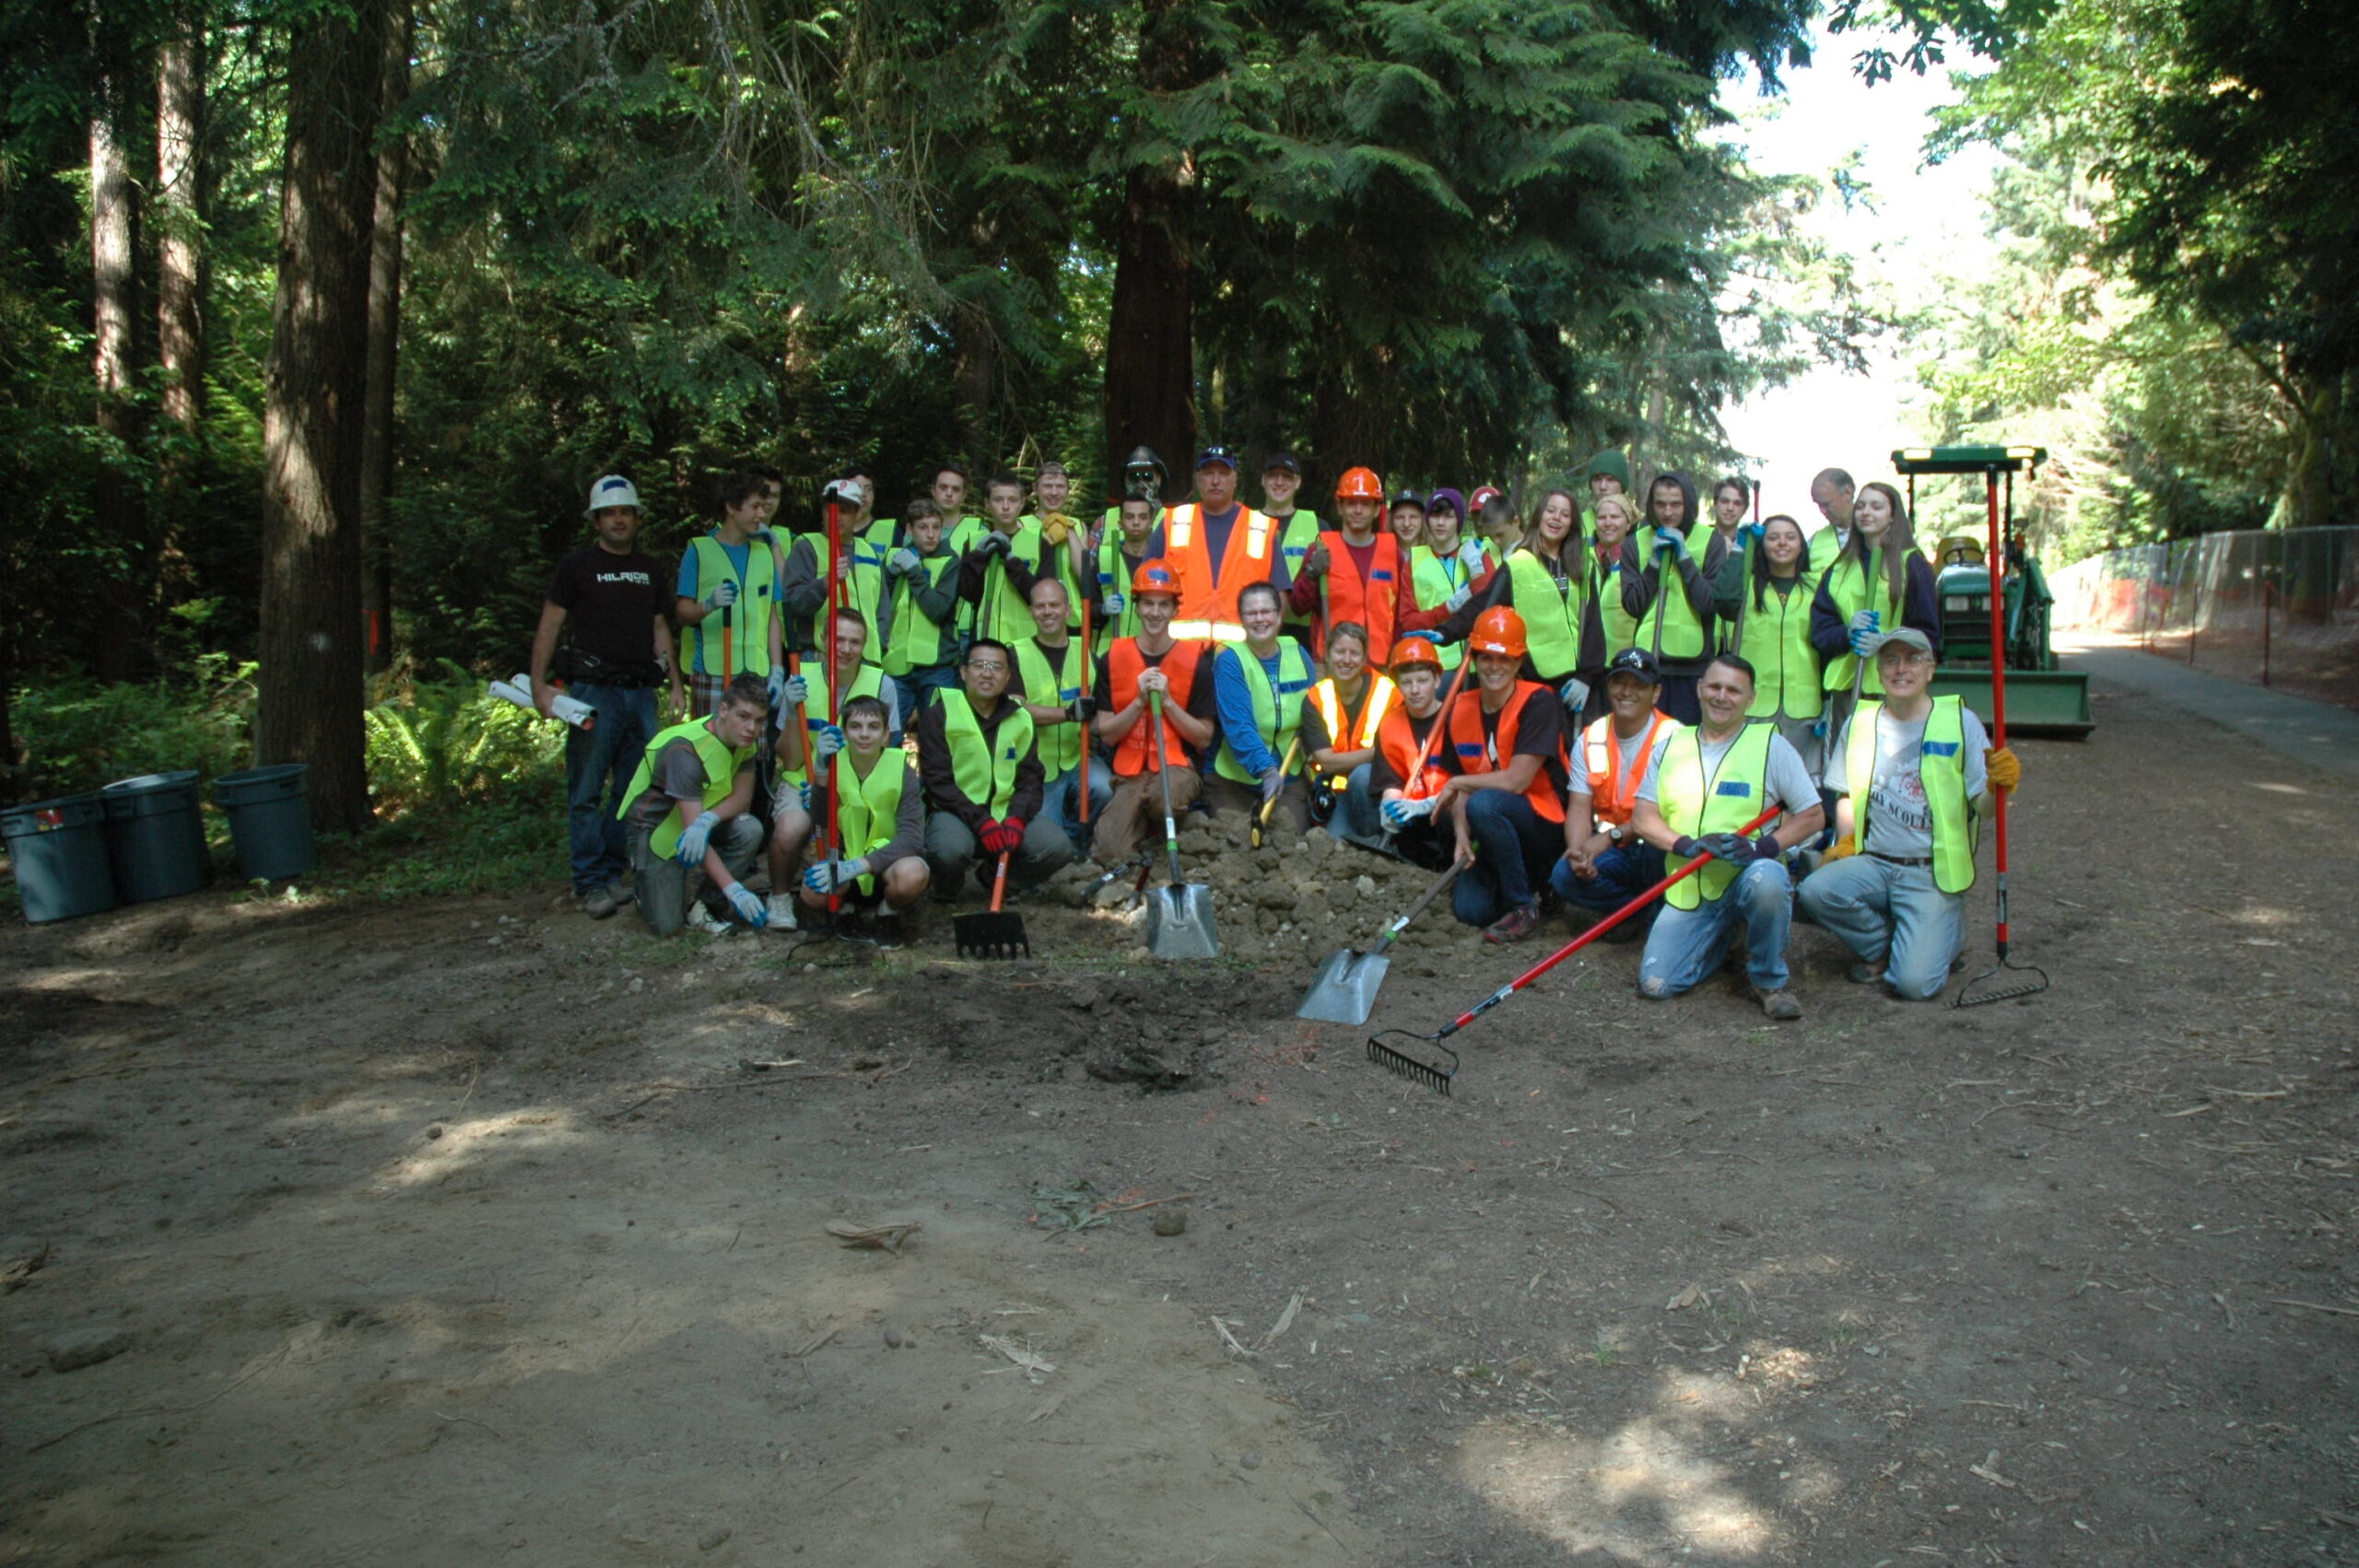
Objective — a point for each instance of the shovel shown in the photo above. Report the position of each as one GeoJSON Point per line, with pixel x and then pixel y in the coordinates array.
{"type": "Point", "coordinates": [1179, 916]}
{"type": "Point", "coordinates": [992, 935]}
{"type": "Point", "coordinates": [1345, 991]}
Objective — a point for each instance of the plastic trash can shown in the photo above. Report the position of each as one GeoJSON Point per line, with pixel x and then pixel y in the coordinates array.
{"type": "Point", "coordinates": [270, 820]}
{"type": "Point", "coordinates": [58, 850]}
{"type": "Point", "coordinates": [156, 833]}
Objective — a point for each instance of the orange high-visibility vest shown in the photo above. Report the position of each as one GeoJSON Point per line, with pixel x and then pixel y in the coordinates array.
{"type": "Point", "coordinates": [1405, 751]}
{"type": "Point", "coordinates": [1330, 703]}
{"type": "Point", "coordinates": [1373, 601]}
{"type": "Point", "coordinates": [1208, 596]}
{"type": "Point", "coordinates": [1612, 792]}
{"type": "Point", "coordinates": [1124, 665]}
{"type": "Point", "coordinates": [1479, 753]}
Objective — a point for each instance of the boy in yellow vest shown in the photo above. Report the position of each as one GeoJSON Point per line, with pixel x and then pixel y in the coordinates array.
{"type": "Point", "coordinates": [729, 579]}
{"type": "Point", "coordinates": [1135, 538]}
{"type": "Point", "coordinates": [982, 774]}
{"type": "Point", "coordinates": [920, 611]}
{"type": "Point", "coordinates": [689, 810]}
{"type": "Point", "coordinates": [791, 795]}
{"type": "Point", "coordinates": [1709, 782]}
{"type": "Point", "coordinates": [998, 568]}
{"type": "Point", "coordinates": [879, 864]}
{"type": "Point", "coordinates": [1892, 887]}
{"type": "Point", "coordinates": [1051, 667]}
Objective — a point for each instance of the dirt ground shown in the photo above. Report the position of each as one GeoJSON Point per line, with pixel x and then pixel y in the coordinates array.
{"type": "Point", "coordinates": [460, 1231]}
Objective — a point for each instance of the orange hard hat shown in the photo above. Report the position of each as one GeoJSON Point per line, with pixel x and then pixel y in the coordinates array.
{"type": "Point", "coordinates": [1359, 485]}
{"type": "Point", "coordinates": [1497, 630]}
{"type": "Point", "coordinates": [1157, 576]}
{"type": "Point", "coordinates": [1416, 650]}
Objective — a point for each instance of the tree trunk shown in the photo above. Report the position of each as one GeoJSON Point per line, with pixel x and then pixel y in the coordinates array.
{"type": "Point", "coordinates": [309, 705]}
{"type": "Point", "coordinates": [180, 324]}
{"type": "Point", "coordinates": [1150, 342]}
{"type": "Point", "coordinates": [116, 641]}
{"type": "Point", "coordinates": [384, 338]}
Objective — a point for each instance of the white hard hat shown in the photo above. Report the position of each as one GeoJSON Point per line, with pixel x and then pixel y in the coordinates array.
{"type": "Point", "coordinates": [613, 490]}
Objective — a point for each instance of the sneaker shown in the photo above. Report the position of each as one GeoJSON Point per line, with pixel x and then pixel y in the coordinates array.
{"type": "Point", "coordinates": [782, 911]}
{"type": "Point", "coordinates": [885, 930]}
{"type": "Point", "coordinates": [600, 902]}
{"type": "Point", "coordinates": [1514, 926]}
{"type": "Point", "coordinates": [1779, 1004]}
{"type": "Point", "coordinates": [1866, 974]}
{"type": "Point", "coordinates": [703, 919]}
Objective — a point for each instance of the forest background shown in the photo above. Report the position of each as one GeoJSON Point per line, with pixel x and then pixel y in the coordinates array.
{"type": "Point", "coordinates": [317, 320]}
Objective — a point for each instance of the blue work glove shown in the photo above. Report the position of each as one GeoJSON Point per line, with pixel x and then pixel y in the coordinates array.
{"type": "Point", "coordinates": [1574, 694]}
{"type": "Point", "coordinates": [1767, 847]}
{"type": "Point", "coordinates": [748, 905]}
{"type": "Point", "coordinates": [787, 691]}
{"type": "Point", "coordinates": [1271, 782]}
{"type": "Point", "coordinates": [1434, 638]}
{"type": "Point", "coordinates": [829, 876]}
{"type": "Point", "coordinates": [1670, 542]}
{"type": "Point", "coordinates": [903, 562]}
{"type": "Point", "coordinates": [1748, 534]}
{"type": "Point", "coordinates": [1729, 847]}
{"type": "Point", "coordinates": [1686, 849]}
{"type": "Point", "coordinates": [724, 594]}
{"type": "Point", "coordinates": [1865, 626]}
{"type": "Point", "coordinates": [1115, 604]}
{"type": "Point", "coordinates": [1400, 814]}
{"type": "Point", "coordinates": [827, 739]}
{"type": "Point", "coordinates": [694, 838]}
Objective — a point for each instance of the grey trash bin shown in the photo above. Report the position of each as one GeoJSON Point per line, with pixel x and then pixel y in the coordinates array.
{"type": "Point", "coordinates": [155, 833]}
{"type": "Point", "coordinates": [58, 850]}
{"type": "Point", "coordinates": [270, 820]}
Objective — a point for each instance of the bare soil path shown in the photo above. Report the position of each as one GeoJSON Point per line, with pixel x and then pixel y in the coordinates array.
{"type": "Point", "coordinates": [458, 1232]}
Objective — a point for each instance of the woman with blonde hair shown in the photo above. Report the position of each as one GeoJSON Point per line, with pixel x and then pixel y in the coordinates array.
{"type": "Point", "coordinates": [1877, 583]}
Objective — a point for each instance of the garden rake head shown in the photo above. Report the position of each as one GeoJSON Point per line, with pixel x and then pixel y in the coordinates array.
{"type": "Point", "coordinates": [2034, 980]}
{"type": "Point", "coordinates": [1396, 1060]}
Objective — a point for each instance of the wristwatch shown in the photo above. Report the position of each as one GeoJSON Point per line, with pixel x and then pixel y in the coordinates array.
{"type": "Point", "coordinates": [1616, 832]}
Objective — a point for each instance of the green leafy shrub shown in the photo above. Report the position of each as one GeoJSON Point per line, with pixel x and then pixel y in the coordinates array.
{"type": "Point", "coordinates": [80, 732]}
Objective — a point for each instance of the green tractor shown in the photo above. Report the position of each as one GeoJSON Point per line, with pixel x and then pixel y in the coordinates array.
{"type": "Point", "coordinates": [2041, 698]}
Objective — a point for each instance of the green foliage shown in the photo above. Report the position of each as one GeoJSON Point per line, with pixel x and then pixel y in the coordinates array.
{"type": "Point", "coordinates": [79, 734]}
{"type": "Point", "coordinates": [448, 745]}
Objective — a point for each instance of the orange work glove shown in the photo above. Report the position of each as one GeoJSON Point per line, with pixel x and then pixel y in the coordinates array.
{"type": "Point", "coordinates": [1841, 849]}
{"type": "Point", "coordinates": [2006, 768]}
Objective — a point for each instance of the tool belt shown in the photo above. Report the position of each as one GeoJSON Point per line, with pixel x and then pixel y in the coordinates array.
{"type": "Point", "coordinates": [575, 666]}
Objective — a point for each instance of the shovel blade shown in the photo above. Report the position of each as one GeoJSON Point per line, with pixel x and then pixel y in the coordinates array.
{"type": "Point", "coordinates": [1345, 991]}
{"type": "Point", "coordinates": [1179, 923]}
{"type": "Point", "coordinates": [990, 936]}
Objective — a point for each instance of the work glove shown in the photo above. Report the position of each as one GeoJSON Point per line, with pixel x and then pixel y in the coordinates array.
{"type": "Point", "coordinates": [1686, 849]}
{"type": "Point", "coordinates": [1434, 638]}
{"type": "Point", "coordinates": [1115, 604]}
{"type": "Point", "coordinates": [1081, 708]}
{"type": "Point", "coordinates": [1748, 534]}
{"type": "Point", "coordinates": [827, 739]}
{"type": "Point", "coordinates": [1458, 596]}
{"type": "Point", "coordinates": [1843, 849]}
{"type": "Point", "coordinates": [832, 876]}
{"type": "Point", "coordinates": [1400, 814]}
{"type": "Point", "coordinates": [747, 904]}
{"type": "Point", "coordinates": [1574, 694]}
{"type": "Point", "coordinates": [1767, 847]}
{"type": "Point", "coordinates": [1271, 782]}
{"type": "Point", "coordinates": [723, 595]}
{"type": "Point", "coordinates": [787, 691]}
{"type": "Point", "coordinates": [903, 562]}
{"type": "Point", "coordinates": [1314, 560]}
{"type": "Point", "coordinates": [1669, 542]}
{"type": "Point", "coordinates": [1865, 625]}
{"type": "Point", "coordinates": [1056, 528]}
{"type": "Point", "coordinates": [1002, 836]}
{"type": "Point", "coordinates": [993, 544]}
{"type": "Point", "coordinates": [694, 838]}
{"type": "Point", "coordinates": [1728, 848]}
{"type": "Point", "coordinates": [2005, 768]}
{"type": "Point", "coordinates": [1469, 555]}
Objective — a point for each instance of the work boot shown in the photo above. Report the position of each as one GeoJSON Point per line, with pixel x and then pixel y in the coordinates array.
{"type": "Point", "coordinates": [600, 902]}
{"type": "Point", "coordinates": [1779, 1004]}
{"type": "Point", "coordinates": [885, 930]}
{"type": "Point", "coordinates": [1865, 974]}
{"type": "Point", "coordinates": [1514, 926]}
{"type": "Point", "coordinates": [782, 911]}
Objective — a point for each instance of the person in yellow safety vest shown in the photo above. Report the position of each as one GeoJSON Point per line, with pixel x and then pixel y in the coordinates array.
{"type": "Point", "coordinates": [1834, 496]}
{"type": "Point", "coordinates": [1298, 529]}
{"type": "Point", "coordinates": [1607, 864]}
{"type": "Point", "coordinates": [1708, 784]}
{"type": "Point", "coordinates": [1447, 567]}
{"type": "Point", "coordinates": [1051, 678]}
{"type": "Point", "coordinates": [1730, 498]}
{"type": "Point", "coordinates": [999, 565]}
{"type": "Point", "coordinates": [730, 580]}
{"type": "Point", "coordinates": [878, 866]}
{"type": "Point", "coordinates": [1218, 546]}
{"type": "Point", "coordinates": [805, 564]}
{"type": "Point", "coordinates": [921, 632]}
{"type": "Point", "coordinates": [689, 810]}
{"type": "Point", "coordinates": [1880, 582]}
{"type": "Point", "coordinates": [1764, 598]}
{"type": "Point", "coordinates": [790, 793]}
{"type": "Point", "coordinates": [982, 772]}
{"type": "Point", "coordinates": [1136, 539]}
{"type": "Point", "coordinates": [1892, 887]}
{"type": "Point", "coordinates": [1685, 557]}
{"type": "Point", "coordinates": [1259, 685]}
{"type": "Point", "coordinates": [1339, 732]}
{"type": "Point", "coordinates": [1064, 542]}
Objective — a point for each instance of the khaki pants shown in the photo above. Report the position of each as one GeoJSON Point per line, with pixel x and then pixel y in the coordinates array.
{"type": "Point", "coordinates": [1135, 811]}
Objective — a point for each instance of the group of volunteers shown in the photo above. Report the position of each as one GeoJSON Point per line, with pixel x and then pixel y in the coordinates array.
{"type": "Point", "coordinates": [1569, 703]}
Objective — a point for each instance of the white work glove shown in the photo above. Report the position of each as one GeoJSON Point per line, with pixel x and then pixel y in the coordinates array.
{"type": "Point", "coordinates": [903, 562]}
{"type": "Point", "coordinates": [748, 905]}
{"type": "Point", "coordinates": [694, 838]}
{"type": "Point", "coordinates": [787, 691]}
{"type": "Point", "coordinates": [1115, 605]}
{"type": "Point", "coordinates": [1400, 814]}
{"type": "Point", "coordinates": [1458, 596]}
{"type": "Point", "coordinates": [829, 876]}
{"type": "Point", "coordinates": [724, 594]}
{"type": "Point", "coordinates": [1865, 628]}
{"type": "Point", "coordinates": [1469, 555]}
{"type": "Point", "coordinates": [827, 739]}
{"type": "Point", "coordinates": [1574, 694]}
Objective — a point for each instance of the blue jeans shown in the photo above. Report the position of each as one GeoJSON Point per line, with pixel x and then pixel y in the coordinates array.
{"type": "Point", "coordinates": [1358, 816]}
{"type": "Point", "coordinates": [1890, 915]}
{"type": "Point", "coordinates": [1513, 846]}
{"type": "Point", "coordinates": [1686, 944]}
{"type": "Point", "coordinates": [1060, 799]}
{"type": "Point", "coordinates": [917, 687]}
{"type": "Point", "coordinates": [1623, 872]}
{"type": "Point", "coordinates": [599, 847]}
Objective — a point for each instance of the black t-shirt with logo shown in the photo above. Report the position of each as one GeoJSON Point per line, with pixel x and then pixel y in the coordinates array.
{"type": "Point", "coordinates": [612, 601]}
